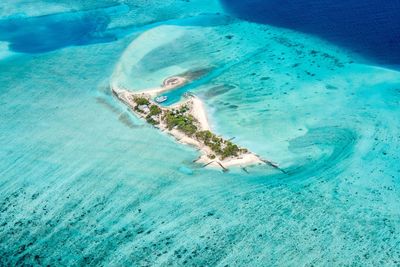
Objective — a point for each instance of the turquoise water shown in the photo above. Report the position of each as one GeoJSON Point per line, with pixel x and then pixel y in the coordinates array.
{"type": "Point", "coordinates": [84, 182]}
{"type": "Point", "coordinates": [369, 27]}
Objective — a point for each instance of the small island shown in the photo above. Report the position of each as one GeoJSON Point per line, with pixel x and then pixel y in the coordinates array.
{"type": "Point", "coordinates": [187, 123]}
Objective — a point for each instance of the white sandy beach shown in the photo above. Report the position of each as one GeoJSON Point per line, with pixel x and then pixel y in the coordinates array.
{"type": "Point", "coordinates": [198, 111]}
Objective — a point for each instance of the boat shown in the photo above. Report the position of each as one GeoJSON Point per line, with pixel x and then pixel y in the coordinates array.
{"type": "Point", "coordinates": [160, 99]}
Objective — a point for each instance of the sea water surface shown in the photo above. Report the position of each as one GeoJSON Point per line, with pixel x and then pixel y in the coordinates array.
{"type": "Point", "coordinates": [368, 27]}
{"type": "Point", "coordinates": [85, 182]}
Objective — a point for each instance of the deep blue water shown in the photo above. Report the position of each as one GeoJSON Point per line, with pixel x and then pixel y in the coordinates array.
{"type": "Point", "coordinates": [371, 28]}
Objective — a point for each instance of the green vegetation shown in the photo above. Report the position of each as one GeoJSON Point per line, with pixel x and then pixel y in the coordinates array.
{"type": "Point", "coordinates": [221, 147]}
{"type": "Point", "coordinates": [150, 120]}
{"type": "Point", "coordinates": [183, 109]}
{"type": "Point", "coordinates": [230, 150]}
{"type": "Point", "coordinates": [183, 122]}
{"type": "Point", "coordinates": [155, 110]}
{"type": "Point", "coordinates": [141, 101]}
{"type": "Point", "coordinates": [211, 140]}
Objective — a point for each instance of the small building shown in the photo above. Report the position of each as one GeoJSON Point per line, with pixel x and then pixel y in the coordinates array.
{"type": "Point", "coordinates": [144, 108]}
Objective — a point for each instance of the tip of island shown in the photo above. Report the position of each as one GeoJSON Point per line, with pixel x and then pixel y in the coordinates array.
{"type": "Point", "coordinates": [187, 122]}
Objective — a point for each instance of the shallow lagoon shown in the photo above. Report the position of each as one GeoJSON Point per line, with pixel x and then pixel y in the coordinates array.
{"type": "Point", "coordinates": [85, 182]}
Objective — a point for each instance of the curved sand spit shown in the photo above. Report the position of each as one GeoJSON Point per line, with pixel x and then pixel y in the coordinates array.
{"type": "Point", "coordinates": [198, 111]}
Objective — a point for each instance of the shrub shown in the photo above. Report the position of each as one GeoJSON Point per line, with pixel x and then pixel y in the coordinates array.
{"type": "Point", "coordinates": [186, 123]}
{"type": "Point", "coordinates": [183, 109]}
{"type": "Point", "coordinates": [155, 110]}
{"type": "Point", "coordinates": [150, 120]}
{"type": "Point", "coordinates": [230, 150]}
{"type": "Point", "coordinates": [141, 101]}
{"type": "Point", "coordinates": [182, 122]}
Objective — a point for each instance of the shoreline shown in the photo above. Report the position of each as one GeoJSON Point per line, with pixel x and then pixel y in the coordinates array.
{"type": "Point", "coordinates": [197, 110]}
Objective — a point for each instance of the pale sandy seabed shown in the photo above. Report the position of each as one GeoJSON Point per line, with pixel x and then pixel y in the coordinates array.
{"type": "Point", "coordinates": [84, 182]}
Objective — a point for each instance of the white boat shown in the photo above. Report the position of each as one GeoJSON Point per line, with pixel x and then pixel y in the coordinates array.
{"type": "Point", "coordinates": [160, 99]}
